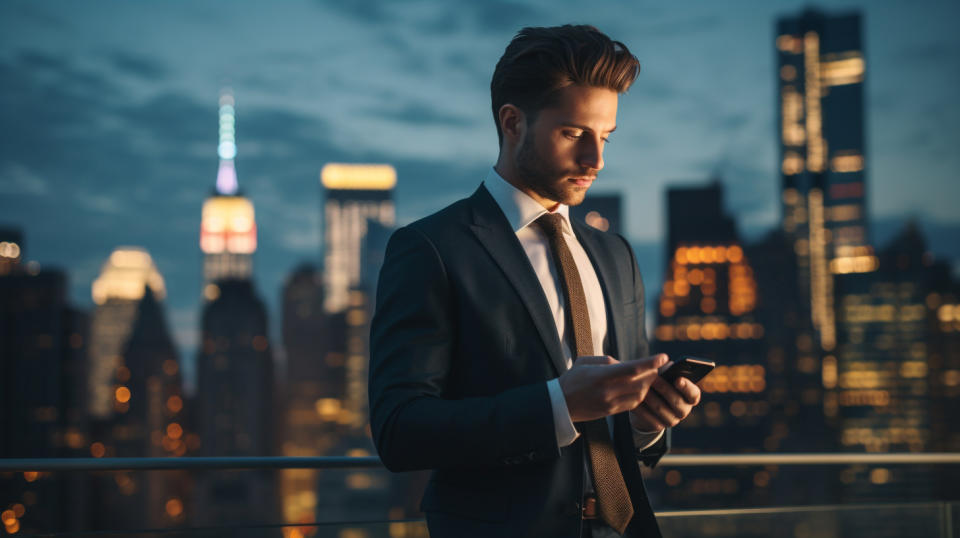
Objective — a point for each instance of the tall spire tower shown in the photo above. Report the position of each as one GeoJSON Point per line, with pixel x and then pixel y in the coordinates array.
{"type": "Point", "coordinates": [234, 363]}
{"type": "Point", "coordinates": [228, 233]}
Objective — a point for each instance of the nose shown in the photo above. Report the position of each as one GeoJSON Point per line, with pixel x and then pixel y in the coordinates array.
{"type": "Point", "coordinates": [591, 153]}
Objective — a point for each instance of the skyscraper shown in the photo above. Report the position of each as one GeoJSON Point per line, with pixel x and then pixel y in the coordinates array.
{"type": "Point", "coordinates": [234, 366]}
{"type": "Point", "coordinates": [228, 232]}
{"type": "Point", "coordinates": [42, 348]}
{"type": "Point", "coordinates": [313, 393]}
{"type": "Point", "coordinates": [879, 382]}
{"type": "Point", "coordinates": [149, 421]}
{"type": "Point", "coordinates": [707, 308]}
{"type": "Point", "coordinates": [354, 193]}
{"type": "Point", "coordinates": [123, 279]}
{"type": "Point", "coordinates": [821, 73]}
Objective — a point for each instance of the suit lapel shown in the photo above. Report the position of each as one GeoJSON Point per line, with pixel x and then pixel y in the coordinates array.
{"type": "Point", "coordinates": [494, 233]}
{"type": "Point", "coordinates": [606, 270]}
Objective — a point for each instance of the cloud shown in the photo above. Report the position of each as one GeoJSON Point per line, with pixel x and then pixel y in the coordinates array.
{"type": "Point", "coordinates": [498, 16]}
{"type": "Point", "coordinates": [34, 15]}
{"type": "Point", "coordinates": [100, 203]}
{"type": "Point", "coordinates": [682, 26]}
{"type": "Point", "coordinates": [370, 11]}
{"type": "Point", "coordinates": [415, 113]}
{"type": "Point", "coordinates": [444, 18]}
{"type": "Point", "coordinates": [141, 67]}
{"type": "Point", "coordinates": [18, 179]}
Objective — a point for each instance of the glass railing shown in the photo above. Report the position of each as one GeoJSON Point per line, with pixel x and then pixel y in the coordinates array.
{"type": "Point", "coordinates": [340, 510]}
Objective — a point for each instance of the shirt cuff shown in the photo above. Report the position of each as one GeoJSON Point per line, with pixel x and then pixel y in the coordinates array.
{"type": "Point", "coordinates": [562, 424]}
{"type": "Point", "coordinates": [645, 440]}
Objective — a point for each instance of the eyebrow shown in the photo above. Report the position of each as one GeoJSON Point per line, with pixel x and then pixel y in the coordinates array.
{"type": "Point", "coordinates": [585, 128]}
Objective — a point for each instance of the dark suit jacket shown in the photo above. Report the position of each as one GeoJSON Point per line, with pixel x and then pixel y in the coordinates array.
{"type": "Point", "coordinates": [462, 344]}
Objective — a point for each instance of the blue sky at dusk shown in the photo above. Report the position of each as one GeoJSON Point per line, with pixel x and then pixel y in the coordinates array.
{"type": "Point", "coordinates": [109, 115]}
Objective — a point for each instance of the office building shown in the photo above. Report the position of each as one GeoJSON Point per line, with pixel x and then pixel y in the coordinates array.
{"type": "Point", "coordinates": [820, 80]}
{"type": "Point", "coordinates": [42, 390]}
{"type": "Point", "coordinates": [878, 381]}
{"type": "Point", "coordinates": [117, 292]}
{"type": "Point", "coordinates": [707, 308]}
{"type": "Point", "coordinates": [315, 415]}
{"type": "Point", "coordinates": [149, 420]}
{"type": "Point", "coordinates": [353, 193]}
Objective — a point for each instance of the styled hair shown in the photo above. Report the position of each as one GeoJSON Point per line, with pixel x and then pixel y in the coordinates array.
{"type": "Point", "coordinates": [539, 62]}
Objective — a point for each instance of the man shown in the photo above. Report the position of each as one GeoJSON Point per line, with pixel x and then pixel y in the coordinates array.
{"type": "Point", "coordinates": [508, 351]}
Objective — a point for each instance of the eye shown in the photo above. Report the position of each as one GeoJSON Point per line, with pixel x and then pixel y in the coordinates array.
{"type": "Point", "coordinates": [573, 135]}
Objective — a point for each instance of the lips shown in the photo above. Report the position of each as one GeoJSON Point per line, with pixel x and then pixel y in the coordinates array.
{"type": "Point", "coordinates": [582, 181]}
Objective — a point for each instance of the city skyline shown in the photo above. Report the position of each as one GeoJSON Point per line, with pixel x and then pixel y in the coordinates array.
{"type": "Point", "coordinates": [141, 168]}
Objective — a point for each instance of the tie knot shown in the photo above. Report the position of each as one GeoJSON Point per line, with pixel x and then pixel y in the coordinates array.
{"type": "Point", "coordinates": [551, 224]}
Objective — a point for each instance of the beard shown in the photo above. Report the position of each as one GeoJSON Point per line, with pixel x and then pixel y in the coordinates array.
{"type": "Point", "coordinates": [547, 179]}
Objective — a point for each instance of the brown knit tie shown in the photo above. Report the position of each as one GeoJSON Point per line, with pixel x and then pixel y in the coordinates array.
{"type": "Point", "coordinates": [614, 505]}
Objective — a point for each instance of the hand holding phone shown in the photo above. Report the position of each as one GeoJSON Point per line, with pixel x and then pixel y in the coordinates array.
{"type": "Point", "coordinates": [691, 368]}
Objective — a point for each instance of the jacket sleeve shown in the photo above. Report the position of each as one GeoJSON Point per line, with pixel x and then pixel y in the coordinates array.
{"type": "Point", "coordinates": [652, 454]}
{"type": "Point", "coordinates": [412, 346]}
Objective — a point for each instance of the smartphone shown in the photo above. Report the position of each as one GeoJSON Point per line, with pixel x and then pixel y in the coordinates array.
{"type": "Point", "coordinates": [691, 368]}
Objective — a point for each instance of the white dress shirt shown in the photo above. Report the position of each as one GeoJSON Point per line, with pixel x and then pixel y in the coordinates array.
{"type": "Point", "coordinates": [521, 211]}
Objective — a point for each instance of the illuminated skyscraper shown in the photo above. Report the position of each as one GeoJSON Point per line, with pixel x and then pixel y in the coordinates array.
{"type": "Point", "coordinates": [228, 233]}
{"type": "Point", "coordinates": [117, 292]}
{"type": "Point", "coordinates": [354, 193]}
{"type": "Point", "coordinates": [42, 351]}
{"type": "Point", "coordinates": [707, 308]}
{"type": "Point", "coordinates": [879, 380]}
{"type": "Point", "coordinates": [943, 319]}
{"type": "Point", "coordinates": [235, 397]}
{"type": "Point", "coordinates": [149, 421]}
{"type": "Point", "coordinates": [314, 388]}
{"type": "Point", "coordinates": [821, 73]}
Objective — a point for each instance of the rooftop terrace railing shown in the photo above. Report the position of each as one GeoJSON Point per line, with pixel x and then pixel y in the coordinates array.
{"type": "Point", "coordinates": [327, 462]}
{"type": "Point", "coordinates": [936, 518]}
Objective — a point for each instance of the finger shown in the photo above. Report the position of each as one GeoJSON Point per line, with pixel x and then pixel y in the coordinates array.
{"type": "Point", "coordinates": [642, 367]}
{"type": "Point", "coordinates": [644, 413]}
{"type": "Point", "coordinates": [670, 393]}
{"type": "Point", "coordinates": [661, 409]}
{"type": "Point", "coordinates": [647, 363]}
{"type": "Point", "coordinates": [629, 382]}
{"type": "Point", "coordinates": [689, 390]}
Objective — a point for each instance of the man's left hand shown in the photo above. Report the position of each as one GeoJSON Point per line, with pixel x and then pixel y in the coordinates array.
{"type": "Point", "coordinates": [665, 405]}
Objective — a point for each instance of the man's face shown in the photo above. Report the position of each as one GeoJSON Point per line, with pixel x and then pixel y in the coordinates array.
{"type": "Point", "coordinates": [562, 150]}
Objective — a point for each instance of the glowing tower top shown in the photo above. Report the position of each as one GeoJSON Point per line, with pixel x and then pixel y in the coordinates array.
{"type": "Point", "coordinates": [227, 149]}
{"type": "Point", "coordinates": [228, 232]}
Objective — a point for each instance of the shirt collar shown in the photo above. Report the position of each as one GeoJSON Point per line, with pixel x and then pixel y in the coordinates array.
{"type": "Point", "coordinates": [521, 210]}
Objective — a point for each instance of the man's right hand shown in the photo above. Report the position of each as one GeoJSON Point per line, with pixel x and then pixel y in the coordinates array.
{"type": "Point", "coordinates": [596, 387]}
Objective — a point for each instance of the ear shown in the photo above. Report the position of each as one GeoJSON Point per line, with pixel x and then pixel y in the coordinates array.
{"type": "Point", "coordinates": [513, 122]}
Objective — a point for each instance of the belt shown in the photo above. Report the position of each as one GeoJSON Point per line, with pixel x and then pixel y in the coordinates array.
{"type": "Point", "coordinates": [589, 506]}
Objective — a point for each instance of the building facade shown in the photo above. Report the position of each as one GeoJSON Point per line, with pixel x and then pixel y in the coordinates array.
{"type": "Point", "coordinates": [353, 194]}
